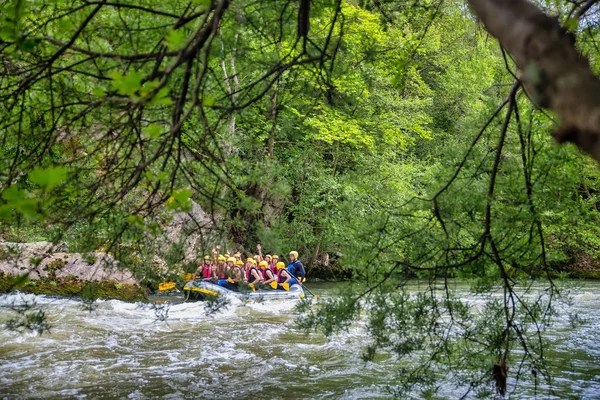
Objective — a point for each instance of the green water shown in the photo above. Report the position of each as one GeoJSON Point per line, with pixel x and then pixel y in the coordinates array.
{"type": "Point", "coordinates": [248, 351]}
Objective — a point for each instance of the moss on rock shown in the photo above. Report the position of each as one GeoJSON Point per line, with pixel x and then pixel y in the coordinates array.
{"type": "Point", "coordinates": [76, 288]}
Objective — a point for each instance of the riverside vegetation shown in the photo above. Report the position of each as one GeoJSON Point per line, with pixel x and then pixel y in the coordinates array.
{"type": "Point", "coordinates": [383, 140]}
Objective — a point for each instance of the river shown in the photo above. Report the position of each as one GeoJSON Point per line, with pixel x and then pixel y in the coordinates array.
{"type": "Point", "coordinates": [249, 350]}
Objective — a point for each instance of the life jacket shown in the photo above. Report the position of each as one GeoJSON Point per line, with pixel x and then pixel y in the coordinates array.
{"type": "Point", "coordinates": [249, 275]}
{"type": "Point", "coordinates": [296, 269]}
{"type": "Point", "coordinates": [264, 274]}
{"type": "Point", "coordinates": [222, 272]}
{"type": "Point", "coordinates": [206, 271]}
{"type": "Point", "coordinates": [279, 279]}
{"type": "Point", "coordinates": [233, 275]}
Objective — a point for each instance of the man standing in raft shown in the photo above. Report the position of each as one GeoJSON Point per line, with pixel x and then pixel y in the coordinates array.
{"type": "Point", "coordinates": [296, 269]}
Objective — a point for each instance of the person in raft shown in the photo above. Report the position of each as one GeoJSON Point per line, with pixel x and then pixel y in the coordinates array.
{"type": "Point", "coordinates": [268, 276]}
{"type": "Point", "coordinates": [252, 274]}
{"type": "Point", "coordinates": [234, 276]}
{"type": "Point", "coordinates": [284, 278]}
{"type": "Point", "coordinates": [205, 271]}
{"type": "Point", "coordinates": [296, 269]}
{"type": "Point", "coordinates": [273, 263]}
{"type": "Point", "coordinates": [220, 270]}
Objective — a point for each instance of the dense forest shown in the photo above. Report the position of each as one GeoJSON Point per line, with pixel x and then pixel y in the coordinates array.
{"type": "Point", "coordinates": [380, 121]}
{"type": "Point", "coordinates": [383, 140]}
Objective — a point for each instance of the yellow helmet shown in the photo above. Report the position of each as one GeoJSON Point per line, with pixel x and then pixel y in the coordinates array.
{"type": "Point", "coordinates": [253, 262]}
{"type": "Point", "coordinates": [294, 253]}
{"type": "Point", "coordinates": [249, 259]}
{"type": "Point", "coordinates": [239, 262]}
{"type": "Point", "coordinates": [221, 258]}
{"type": "Point", "coordinates": [256, 257]}
{"type": "Point", "coordinates": [238, 254]}
{"type": "Point", "coordinates": [275, 257]}
{"type": "Point", "coordinates": [206, 258]}
{"type": "Point", "coordinates": [263, 264]}
{"type": "Point", "coordinates": [268, 255]}
{"type": "Point", "coordinates": [231, 259]}
{"type": "Point", "coordinates": [280, 265]}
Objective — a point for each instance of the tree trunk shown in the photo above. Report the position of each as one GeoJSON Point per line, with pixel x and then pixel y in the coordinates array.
{"type": "Point", "coordinates": [553, 72]}
{"type": "Point", "coordinates": [273, 118]}
{"type": "Point", "coordinates": [232, 92]}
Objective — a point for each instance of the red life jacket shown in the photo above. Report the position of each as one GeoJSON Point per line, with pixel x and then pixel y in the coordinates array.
{"type": "Point", "coordinates": [279, 280]}
{"type": "Point", "coordinates": [206, 271]}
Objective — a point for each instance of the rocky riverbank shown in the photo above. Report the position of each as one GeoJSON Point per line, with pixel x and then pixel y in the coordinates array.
{"type": "Point", "coordinates": [41, 268]}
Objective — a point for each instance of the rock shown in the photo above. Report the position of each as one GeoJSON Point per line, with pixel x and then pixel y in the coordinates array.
{"type": "Point", "coordinates": [39, 261]}
{"type": "Point", "coordinates": [194, 229]}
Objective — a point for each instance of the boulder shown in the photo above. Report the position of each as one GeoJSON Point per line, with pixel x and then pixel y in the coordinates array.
{"type": "Point", "coordinates": [40, 260]}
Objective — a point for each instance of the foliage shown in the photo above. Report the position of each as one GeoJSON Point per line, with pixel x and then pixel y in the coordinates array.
{"type": "Point", "coordinates": [387, 139]}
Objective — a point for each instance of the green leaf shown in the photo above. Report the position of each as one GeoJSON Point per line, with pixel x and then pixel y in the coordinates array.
{"type": "Point", "coordinates": [148, 87]}
{"type": "Point", "coordinates": [48, 178]}
{"type": "Point", "coordinates": [180, 200]}
{"type": "Point", "coordinates": [203, 4]}
{"type": "Point", "coordinates": [127, 85]}
{"type": "Point", "coordinates": [208, 101]}
{"type": "Point", "coordinates": [153, 131]}
{"type": "Point", "coordinates": [174, 39]}
{"type": "Point", "coordinates": [162, 176]}
{"type": "Point", "coordinates": [13, 194]}
{"type": "Point", "coordinates": [162, 97]}
{"type": "Point", "coordinates": [28, 208]}
{"type": "Point", "coordinates": [135, 220]}
{"type": "Point", "coordinates": [98, 92]}
{"type": "Point", "coordinates": [7, 33]}
{"type": "Point", "coordinates": [6, 212]}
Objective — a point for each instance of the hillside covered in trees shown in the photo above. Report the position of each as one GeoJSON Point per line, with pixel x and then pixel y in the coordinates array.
{"type": "Point", "coordinates": [360, 133]}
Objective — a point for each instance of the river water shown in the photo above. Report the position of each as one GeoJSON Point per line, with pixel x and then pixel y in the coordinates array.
{"type": "Point", "coordinates": [248, 350]}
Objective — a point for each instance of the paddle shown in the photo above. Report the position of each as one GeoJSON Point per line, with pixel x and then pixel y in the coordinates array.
{"type": "Point", "coordinates": [304, 286]}
{"type": "Point", "coordinates": [164, 286]}
{"type": "Point", "coordinates": [273, 285]}
{"type": "Point", "coordinates": [285, 286]}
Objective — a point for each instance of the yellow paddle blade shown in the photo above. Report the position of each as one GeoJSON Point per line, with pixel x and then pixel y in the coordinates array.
{"type": "Point", "coordinates": [285, 286]}
{"type": "Point", "coordinates": [166, 286]}
{"type": "Point", "coordinates": [273, 285]}
{"type": "Point", "coordinates": [188, 277]}
{"type": "Point", "coordinates": [302, 296]}
{"type": "Point", "coordinates": [252, 287]}
{"type": "Point", "coordinates": [303, 279]}
{"type": "Point", "coordinates": [230, 280]}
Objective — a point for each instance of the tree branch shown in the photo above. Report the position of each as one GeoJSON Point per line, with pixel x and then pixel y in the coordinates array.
{"type": "Point", "coordinates": [553, 72]}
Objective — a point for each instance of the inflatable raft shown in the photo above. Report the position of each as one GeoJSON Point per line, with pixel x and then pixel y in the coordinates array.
{"type": "Point", "coordinates": [198, 290]}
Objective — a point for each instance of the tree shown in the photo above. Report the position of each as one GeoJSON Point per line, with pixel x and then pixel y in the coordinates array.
{"type": "Point", "coordinates": [332, 127]}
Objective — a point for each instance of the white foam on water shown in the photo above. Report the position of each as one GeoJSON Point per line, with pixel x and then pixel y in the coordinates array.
{"type": "Point", "coordinates": [244, 349]}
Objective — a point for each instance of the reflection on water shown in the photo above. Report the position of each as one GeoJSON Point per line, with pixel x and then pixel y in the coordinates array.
{"type": "Point", "coordinates": [249, 350]}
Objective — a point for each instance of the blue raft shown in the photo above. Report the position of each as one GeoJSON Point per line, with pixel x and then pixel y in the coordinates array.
{"type": "Point", "coordinates": [199, 289]}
